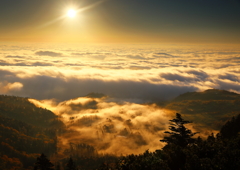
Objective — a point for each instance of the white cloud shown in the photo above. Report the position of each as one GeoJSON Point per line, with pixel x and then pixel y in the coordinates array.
{"type": "Point", "coordinates": [144, 72]}
{"type": "Point", "coordinates": [48, 53]}
{"type": "Point", "coordinates": [10, 88]}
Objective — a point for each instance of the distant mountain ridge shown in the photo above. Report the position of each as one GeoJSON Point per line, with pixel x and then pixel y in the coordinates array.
{"type": "Point", "coordinates": [95, 95]}
{"type": "Point", "coordinates": [210, 94]}
{"type": "Point", "coordinates": [213, 107]}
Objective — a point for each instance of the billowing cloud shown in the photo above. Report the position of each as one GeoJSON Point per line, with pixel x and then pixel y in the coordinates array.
{"type": "Point", "coordinates": [229, 85]}
{"type": "Point", "coordinates": [41, 64]}
{"type": "Point", "coordinates": [109, 126]}
{"type": "Point", "coordinates": [48, 53]}
{"type": "Point", "coordinates": [10, 56]}
{"type": "Point", "coordinates": [198, 74]}
{"type": "Point", "coordinates": [162, 55]}
{"type": "Point", "coordinates": [178, 77]}
{"type": "Point", "coordinates": [8, 88]}
{"type": "Point", "coordinates": [231, 77]}
{"type": "Point", "coordinates": [136, 57]}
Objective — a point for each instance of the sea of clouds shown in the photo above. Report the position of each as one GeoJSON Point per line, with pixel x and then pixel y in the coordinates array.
{"type": "Point", "coordinates": [58, 76]}
{"type": "Point", "coordinates": [144, 72]}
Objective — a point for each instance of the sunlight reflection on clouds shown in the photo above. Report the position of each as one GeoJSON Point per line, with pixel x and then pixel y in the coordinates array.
{"type": "Point", "coordinates": [190, 67]}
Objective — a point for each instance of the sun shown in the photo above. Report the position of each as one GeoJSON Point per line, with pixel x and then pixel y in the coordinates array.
{"type": "Point", "coordinates": [71, 13]}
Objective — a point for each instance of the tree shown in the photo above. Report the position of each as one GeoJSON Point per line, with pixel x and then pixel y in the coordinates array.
{"type": "Point", "coordinates": [179, 134]}
{"type": "Point", "coordinates": [43, 163]}
{"type": "Point", "coordinates": [71, 164]}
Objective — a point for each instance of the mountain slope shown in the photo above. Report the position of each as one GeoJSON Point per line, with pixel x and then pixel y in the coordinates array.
{"type": "Point", "coordinates": [212, 107]}
{"type": "Point", "coordinates": [25, 132]}
{"type": "Point", "coordinates": [20, 108]}
{"type": "Point", "coordinates": [210, 94]}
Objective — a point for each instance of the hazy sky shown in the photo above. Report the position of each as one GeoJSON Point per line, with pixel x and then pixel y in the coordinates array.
{"type": "Point", "coordinates": [141, 21]}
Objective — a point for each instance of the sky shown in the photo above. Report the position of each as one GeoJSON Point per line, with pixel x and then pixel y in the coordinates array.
{"type": "Point", "coordinates": [121, 21]}
{"type": "Point", "coordinates": [133, 51]}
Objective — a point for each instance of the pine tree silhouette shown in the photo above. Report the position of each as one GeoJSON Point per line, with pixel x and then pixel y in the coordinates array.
{"type": "Point", "coordinates": [71, 164]}
{"type": "Point", "coordinates": [43, 163]}
{"type": "Point", "coordinates": [179, 134]}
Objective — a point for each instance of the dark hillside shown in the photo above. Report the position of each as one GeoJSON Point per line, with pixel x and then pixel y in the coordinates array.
{"type": "Point", "coordinates": [212, 107]}
{"type": "Point", "coordinates": [95, 95]}
{"type": "Point", "coordinates": [25, 132]}
{"type": "Point", "coordinates": [231, 129]}
{"type": "Point", "coordinates": [211, 94]}
{"type": "Point", "coordinates": [21, 109]}
{"type": "Point", "coordinates": [23, 142]}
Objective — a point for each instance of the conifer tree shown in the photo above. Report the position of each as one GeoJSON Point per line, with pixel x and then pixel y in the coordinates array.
{"type": "Point", "coordinates": [71, 164]}
{"type": "Point", "coordinates": [43, 163]}
{"type": "Point", "coordinates": [179, 134]}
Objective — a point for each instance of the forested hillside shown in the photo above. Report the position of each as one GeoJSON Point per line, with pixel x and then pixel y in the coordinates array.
{"type": "Point", "coordinates": [213, 107]}
{"type": "Point", "coordinates": [25, 132]}
{"type": "Point", "coordinates": [21, 109]}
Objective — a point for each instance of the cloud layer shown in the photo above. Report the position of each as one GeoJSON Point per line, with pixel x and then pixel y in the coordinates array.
{"type": "Point", "coordinates": [133, 72]}
{"type": "Point", "coordinates": [129, 74]}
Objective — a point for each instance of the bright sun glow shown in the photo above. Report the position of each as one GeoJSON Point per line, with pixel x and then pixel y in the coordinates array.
{"type": "Point", "coordinates": [71, 13]}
